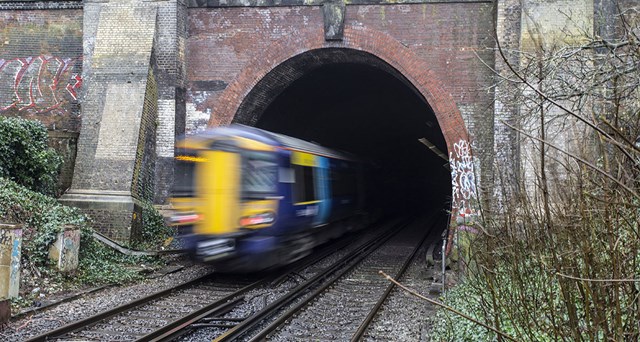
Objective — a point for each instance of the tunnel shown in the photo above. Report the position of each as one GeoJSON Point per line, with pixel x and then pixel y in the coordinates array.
{"type": "Point", "coordinates": [352, 101]}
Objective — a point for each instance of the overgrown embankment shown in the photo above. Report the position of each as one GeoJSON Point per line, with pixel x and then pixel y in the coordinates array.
{"type": "Point", "coordinates": [557, 256]}
{"type": "Point", "coordinates": [28, 174]}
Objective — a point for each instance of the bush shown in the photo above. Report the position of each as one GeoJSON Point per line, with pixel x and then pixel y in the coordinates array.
{"type": "Point", "coordinates": [25, 156]}
{"type": "Point", "coordinates": [43, 218]}
{"type": "Point", "coordinates": [450, 327]}
{"type": "Point", "coordinates": [525, 320]}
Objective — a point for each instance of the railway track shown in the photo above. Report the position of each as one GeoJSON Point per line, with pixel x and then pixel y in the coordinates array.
{"type": "Point", "coordinates": [235, 308]}
{"type": "Point", "coordinates": [149, 317]}
{"type": "Point", "coordinates": [351, 286]}
{"type": "Point", "coordinates": [174, 311]}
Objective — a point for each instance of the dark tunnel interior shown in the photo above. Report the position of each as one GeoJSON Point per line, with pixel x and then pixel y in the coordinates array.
{"type": "Point", "coordinates": [378, 116]}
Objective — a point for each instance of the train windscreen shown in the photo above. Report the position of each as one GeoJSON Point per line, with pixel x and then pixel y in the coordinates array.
{"type": "Point", "coordinates": [259, 175]}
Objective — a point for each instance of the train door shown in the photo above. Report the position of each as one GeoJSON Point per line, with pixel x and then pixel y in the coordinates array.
{"type": "Point", "coordinates": [309, 190]}
{"type": "Point", "coordinates": [323, 191]}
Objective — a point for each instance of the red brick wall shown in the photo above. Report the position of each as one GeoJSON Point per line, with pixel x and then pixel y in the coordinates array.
{"type": "Point", "coordinates": [41, 65]}
{"type": "Point", "coordinates": [435, 46]}
{"type": "Point", "coordinates": [41, 71]}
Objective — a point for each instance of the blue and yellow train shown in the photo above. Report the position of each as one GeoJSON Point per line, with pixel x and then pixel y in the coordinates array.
{"type": "Point", "coordinates": [251, 199]}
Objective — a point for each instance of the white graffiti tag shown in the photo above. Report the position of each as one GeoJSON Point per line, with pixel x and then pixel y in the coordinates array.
{"type": "Point", "coordinates": [463, 181]}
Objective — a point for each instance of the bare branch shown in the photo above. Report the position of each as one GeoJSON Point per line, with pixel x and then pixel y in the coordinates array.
{"type": "Point", "coordinates": [560, 106]}
{"type": "Point", "coordinates": [599, 280]}
{"type": "Point", "coordinates": [448, 308]}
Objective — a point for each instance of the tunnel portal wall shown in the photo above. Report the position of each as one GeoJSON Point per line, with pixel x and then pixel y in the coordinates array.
{"type": "Point", "coordinates": [443, 49]}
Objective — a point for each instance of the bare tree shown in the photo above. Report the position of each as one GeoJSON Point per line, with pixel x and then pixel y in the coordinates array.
{"type": "Point", "coordinates": [561, 259]}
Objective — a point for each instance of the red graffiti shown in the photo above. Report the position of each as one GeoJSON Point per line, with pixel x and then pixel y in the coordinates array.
{"type": "Point", "coordinates": [72, 88]}
{"type": "Point", "coordinates": [38, 84]}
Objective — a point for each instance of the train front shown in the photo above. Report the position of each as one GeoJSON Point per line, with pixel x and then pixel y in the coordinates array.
{"type": "Point", "coordinates": [226, 199]}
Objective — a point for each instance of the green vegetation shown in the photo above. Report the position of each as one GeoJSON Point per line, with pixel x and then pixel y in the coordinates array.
{"type": "Point", "coordinates": [155, 232]}
{"type": "Point", "coordinates": [28, 173]}
{"type": "Point", "coordinates": [557, 257]}
{"type": "Point", "coordinates": [43, 218]}
{"type": "Point", "coordinates": [25, 157]}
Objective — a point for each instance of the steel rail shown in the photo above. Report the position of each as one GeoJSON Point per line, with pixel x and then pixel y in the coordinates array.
{"type": "Point", "coordinates": [110, 313]}
{"type": "Point", "coordinates": [352, 260]}
{"type": "Point", "coordinates": [330, 250]}
{"type": "Point", "coordinates": [178, 327]}
{"type": "Point", "coordinates": [372, 313]}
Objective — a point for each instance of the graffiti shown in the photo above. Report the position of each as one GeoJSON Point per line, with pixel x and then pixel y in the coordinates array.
{"type": "Point", "coordinates": [39, 84]}
{"type": "Point", "coordinates": [463, 182]}
{"type": "Point", "coordinates": [11, 239]}
{"type": "Point", "coordinates": [69, 250]}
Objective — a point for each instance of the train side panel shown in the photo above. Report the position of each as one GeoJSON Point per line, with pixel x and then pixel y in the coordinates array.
{"type": "Point", "coordinates": [255, 202]}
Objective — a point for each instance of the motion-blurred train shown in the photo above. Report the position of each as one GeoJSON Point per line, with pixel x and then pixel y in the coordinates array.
{"type": "Point", "coordinates": [249, 199]}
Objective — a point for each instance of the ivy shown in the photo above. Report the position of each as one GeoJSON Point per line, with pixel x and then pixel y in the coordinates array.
{"type": "Point", "coordinates": [43, 218]}
{"type": "Point", "coordinates": [25, 156]}
{"type": "Point", "coordinates": [28, 175]}
{"type": "Point", "coordinates": [155, 231]}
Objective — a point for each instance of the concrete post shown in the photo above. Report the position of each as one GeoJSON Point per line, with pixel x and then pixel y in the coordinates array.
{"type": "Point", "coordinates": [65, 250]}
{"type": "Point", "coordinates": [10, 245]}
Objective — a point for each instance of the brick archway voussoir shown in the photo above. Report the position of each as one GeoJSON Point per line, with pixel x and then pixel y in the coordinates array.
{"type": "Point", "coordinates": [376, 43]}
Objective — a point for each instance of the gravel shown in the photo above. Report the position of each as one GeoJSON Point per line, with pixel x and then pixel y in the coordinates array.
{"type": "Point", "coordinates": [402, 317]}
{"type": "Point", "coordinates": [31, 325]}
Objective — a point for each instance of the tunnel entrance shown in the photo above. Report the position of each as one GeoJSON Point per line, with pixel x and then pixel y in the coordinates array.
{"type": "Point", "coordinates": [353, 101]}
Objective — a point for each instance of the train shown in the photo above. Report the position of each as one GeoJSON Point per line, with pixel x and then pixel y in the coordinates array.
{"type": "Point", "coordinates": [248, 200]}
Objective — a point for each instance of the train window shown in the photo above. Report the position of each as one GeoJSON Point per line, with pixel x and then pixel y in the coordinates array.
{"type": "Point", "coordinates": [286, 175]}
{"type": "Point", "coordinates": [304, 188]}
{"type": "Point", "coordinates": [259, 175]}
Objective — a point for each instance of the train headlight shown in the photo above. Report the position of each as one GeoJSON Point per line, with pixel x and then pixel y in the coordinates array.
{"type": "Point", "coordinates": [185, 218]}
{"type": "Point", "coordinates": [262, 218]}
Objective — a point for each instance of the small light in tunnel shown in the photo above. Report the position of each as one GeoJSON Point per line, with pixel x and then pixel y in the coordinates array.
{"type": "Point", "coordinates": [433, 148]}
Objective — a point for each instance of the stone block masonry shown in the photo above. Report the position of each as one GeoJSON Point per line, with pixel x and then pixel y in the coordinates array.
{"type": "Point", "coordinates": [116, 147]}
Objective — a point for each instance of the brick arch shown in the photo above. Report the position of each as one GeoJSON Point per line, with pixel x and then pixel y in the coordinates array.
{"type": "Point", "coordinates": [376, 43]}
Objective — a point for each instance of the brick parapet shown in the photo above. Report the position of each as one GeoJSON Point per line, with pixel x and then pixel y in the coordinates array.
{"type": "Point", "coordinates": [40, 5]}
{"type": "Point", "coordinates": [290, 3]}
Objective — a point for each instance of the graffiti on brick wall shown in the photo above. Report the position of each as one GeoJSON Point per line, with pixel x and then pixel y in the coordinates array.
{"type": "Point", "coordinates": [38, 84]}
{"type": "Point", "coordinates": [463, 180]}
